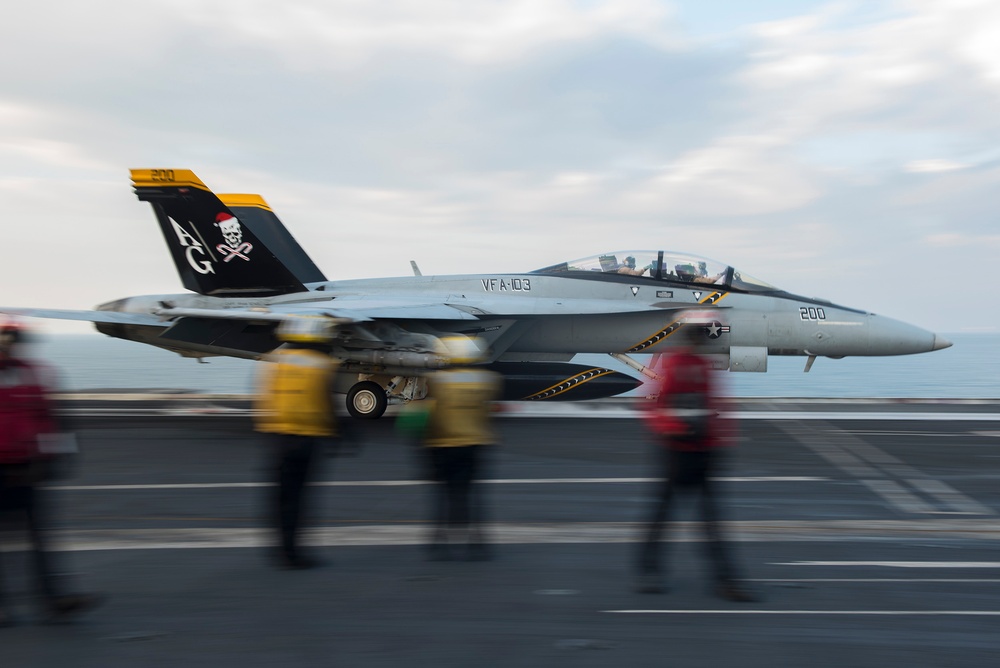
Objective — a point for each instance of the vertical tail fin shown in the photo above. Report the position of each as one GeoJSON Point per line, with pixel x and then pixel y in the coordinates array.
{"type": "Point", "coordinates": [214, 252]}
{"type": "Point", "coordinates": [255, 213]}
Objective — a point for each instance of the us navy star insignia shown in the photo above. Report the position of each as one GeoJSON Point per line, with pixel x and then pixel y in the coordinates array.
{"type": "Point", "coordinates": [717, 329]}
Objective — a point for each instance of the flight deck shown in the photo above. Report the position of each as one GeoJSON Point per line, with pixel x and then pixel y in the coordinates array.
{"type": "Point", "coordinates": [870, 529]}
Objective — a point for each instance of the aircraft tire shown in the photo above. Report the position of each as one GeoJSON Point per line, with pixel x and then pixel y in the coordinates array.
{"type": "Point", "coordinates": [367, 400]}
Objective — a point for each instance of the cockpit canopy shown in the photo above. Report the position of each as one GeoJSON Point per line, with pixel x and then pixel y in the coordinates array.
{"type": "Point", "coordinates": [665, 266]}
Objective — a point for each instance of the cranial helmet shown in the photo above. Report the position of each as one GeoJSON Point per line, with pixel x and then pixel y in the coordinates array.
{"type": "Point", "coordinates": [11, 332]}
{"type": "Point", "coordinates": [463, 350]}
{"type": "Point", "coordinates": [306, 329]}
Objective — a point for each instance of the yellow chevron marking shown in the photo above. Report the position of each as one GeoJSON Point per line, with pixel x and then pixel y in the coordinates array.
{"type": "Point", "coordinates": [656, 338]}
{"type": "Point", "coordinates": [714, 298]}
{"type": "Point", "coordinates": [569, 383]}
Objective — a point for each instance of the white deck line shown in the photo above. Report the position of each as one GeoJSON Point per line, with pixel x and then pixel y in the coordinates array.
{"type": "Point", "coordinates": [569, 411]}
{"type": "Point", "coordinates": [415, 483]}
{"type": "Point", "coordinates": [882, 613]}
{"type": "Point", "coordinates": [535, 533]}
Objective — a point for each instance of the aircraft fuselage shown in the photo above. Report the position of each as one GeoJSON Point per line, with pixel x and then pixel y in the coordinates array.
{"type": "Point", "coordinates": [563, 315]}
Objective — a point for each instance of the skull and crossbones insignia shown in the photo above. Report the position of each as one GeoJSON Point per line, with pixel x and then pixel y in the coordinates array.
{"type": "Point", "coordinates": [233, 234]}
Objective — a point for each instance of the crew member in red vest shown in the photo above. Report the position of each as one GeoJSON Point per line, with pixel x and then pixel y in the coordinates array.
{"type": "Point", "coordinates": [685, 420]}
{"type": "Point", "coordinates": [26, 419]}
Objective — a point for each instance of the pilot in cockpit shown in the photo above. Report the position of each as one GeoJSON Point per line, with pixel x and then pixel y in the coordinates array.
{"type": "Point", "coordinates": [703, 276]}
{"type": "Point", "coordinates": [629, 267]}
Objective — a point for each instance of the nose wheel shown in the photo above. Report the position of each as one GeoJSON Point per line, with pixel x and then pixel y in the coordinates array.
{"type": "Point", "coordinates": [367, 400]}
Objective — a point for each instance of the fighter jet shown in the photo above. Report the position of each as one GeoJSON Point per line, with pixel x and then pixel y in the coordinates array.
{"type": "Point", "coordinates": [246, 273]}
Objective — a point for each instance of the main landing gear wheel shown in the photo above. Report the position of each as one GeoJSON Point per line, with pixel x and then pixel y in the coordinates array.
{"type": "Point", "coordinates": [367, 400]}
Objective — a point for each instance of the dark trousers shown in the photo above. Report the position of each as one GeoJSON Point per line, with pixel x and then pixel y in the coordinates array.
{"type": "Point", "coordinates": [681, 470]}
{"type": "Point", "coordinates": [293, 464]}
{"type": "Point", "coordinates": [20, 503]}
{"type": "Point", "coordinates": [457, 502]}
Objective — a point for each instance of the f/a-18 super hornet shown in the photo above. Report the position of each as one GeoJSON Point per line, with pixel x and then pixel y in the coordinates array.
{"type": "Point", "coordinates": [246, 274]}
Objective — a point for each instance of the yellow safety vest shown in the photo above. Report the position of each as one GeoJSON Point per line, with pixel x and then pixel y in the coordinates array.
{"type": "Point", "coordinates": [294, 394]}
{"type": "Point", "coordinates": [462, 406]}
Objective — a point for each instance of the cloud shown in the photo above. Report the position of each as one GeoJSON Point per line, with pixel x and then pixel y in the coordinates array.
{"type": "Point", "coordinates": [339, 35]}
{"type": "Point", "coordinates": [957, 240]}
{"type": "Point", "coordinates": [51, 153]}
{"type": "Point", "coordinates": [736, 176]}
{"type": "Point", "coordinates": [813, 75]}
{"type": "Point", "coordinates": [932, 165]}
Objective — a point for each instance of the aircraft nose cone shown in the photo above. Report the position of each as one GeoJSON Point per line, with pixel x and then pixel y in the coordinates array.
{"type": "Point", "coordinates": [940, 343]}
{"type": "Point", "coordinates": [892, 337]}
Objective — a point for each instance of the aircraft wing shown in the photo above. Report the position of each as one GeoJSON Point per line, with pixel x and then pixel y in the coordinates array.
{"type": "Point", "coordinates": [359, 308]}
{"type": "Point", "coordinates": [518, 306]}
{"type": "Point", "coordinates": [364, 309]}
{"type": "Point", "coordinates": [452, 306]}
{"type": "Point", "coordinates": [110, 317]}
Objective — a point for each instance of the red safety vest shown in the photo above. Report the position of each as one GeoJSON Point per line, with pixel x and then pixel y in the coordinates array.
{"type": "Point", "coordinates": [25, 412]}
{"type": "Point", "coordinates": [685, 410]}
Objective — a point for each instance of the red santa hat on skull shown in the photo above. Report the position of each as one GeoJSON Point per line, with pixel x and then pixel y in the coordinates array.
{"type": "Point", "coordinates": [230, 226]}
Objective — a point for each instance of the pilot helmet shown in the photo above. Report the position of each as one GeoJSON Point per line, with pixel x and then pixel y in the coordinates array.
{"type": "Point", "coordinates": [630, 261]}
{"type": "Point", "coordinates": [463, 349]}
{"type": "Point", "coordinates": [306, 329]}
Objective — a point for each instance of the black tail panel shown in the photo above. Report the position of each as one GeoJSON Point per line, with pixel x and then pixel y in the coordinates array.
{"type": "Point", "coordinates": [214, 252]}
{"type": "Point", "coordinates": [254, 212]}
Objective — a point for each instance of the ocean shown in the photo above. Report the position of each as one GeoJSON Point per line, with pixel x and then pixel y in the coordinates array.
{"type": "Point", "coordinates": [970, 369]}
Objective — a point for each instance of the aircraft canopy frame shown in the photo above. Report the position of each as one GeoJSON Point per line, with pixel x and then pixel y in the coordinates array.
{"type": "Point", "coordinates": [671, 266]}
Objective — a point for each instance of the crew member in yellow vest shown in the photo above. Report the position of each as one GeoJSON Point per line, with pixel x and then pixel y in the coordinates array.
{"type": "Point", "coordinates": [295, 409]}
{"type": "Point", "coordinates": [458, 431]}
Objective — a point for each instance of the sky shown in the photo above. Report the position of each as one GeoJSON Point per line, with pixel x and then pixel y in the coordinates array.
{"type": "Point", "coordinates": [842, 150]}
